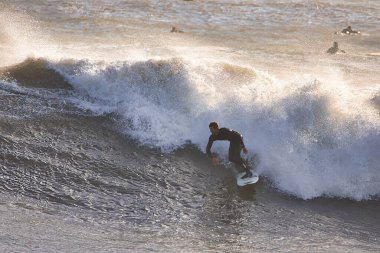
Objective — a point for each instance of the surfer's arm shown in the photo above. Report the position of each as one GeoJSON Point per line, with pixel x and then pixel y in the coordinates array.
{"type": "Point", "coordinates": [241, 141]}
{"type": "Point", "coordinates": [236, 137]}
{"type": "Point", "coordinates": [209, 145]}
{"type": "Point", "coordinates": [213, 156]}
{"type": "Point", "coordinates": [245, 150]}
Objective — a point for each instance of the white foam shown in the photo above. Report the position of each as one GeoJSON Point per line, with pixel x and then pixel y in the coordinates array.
{"type": "Point", "coordinates": [315, 134]}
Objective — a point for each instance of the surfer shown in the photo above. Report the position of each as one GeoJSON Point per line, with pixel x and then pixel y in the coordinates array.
{"type": "Point", "coordinates": [236, 145]}
{"type": "Point", "coordinates": [334, 49]}
{"type": "Point", "coordinates": [349, 30]}
{"type": "Point", "coordinates": [175, 30]}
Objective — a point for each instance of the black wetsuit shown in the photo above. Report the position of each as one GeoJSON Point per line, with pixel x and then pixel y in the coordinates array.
{"type": "Point", "coordinates": [236, 145]}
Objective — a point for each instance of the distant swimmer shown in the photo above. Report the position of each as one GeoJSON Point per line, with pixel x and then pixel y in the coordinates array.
{"type": "Point", "coordinates": [334, 49]}
{"type": "Point", "coordinates": [348, 30]}
{"type": "Point", "coordinates": [236, 145]}
{"type": "Point", "coordinates": [175, 30]}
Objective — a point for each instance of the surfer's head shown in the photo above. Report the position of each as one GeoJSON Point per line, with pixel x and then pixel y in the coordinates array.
{"type": "Point", "coordinates": [214, 128]}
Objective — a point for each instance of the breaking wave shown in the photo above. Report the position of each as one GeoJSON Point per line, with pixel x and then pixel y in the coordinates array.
{"type": "Point", "coordinates": [314, 135]}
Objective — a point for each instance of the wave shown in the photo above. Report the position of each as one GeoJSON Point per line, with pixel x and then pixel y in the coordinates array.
{"type": "Point", "coordinates": [315, 135]}
{"type": "Point", "coordinates": [34, 73]}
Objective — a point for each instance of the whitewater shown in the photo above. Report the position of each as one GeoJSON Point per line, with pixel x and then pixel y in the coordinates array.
{"type": "Point", "coordinates": [313, 135]}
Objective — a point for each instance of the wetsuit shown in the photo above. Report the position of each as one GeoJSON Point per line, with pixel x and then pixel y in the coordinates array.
{"type": "Point", "coordinates": [236, 145]}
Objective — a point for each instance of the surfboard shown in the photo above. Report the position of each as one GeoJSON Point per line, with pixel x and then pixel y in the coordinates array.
{"type": "Point", "coordinates": [374, 54]}
{"type": "Point", "coordinates": [246, 181]}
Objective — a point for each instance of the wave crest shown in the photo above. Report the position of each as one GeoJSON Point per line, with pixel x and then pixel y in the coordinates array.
{"type": "Point", "coordinates": [35, 73]}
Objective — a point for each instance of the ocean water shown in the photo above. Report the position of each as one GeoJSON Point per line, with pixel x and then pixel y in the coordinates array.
{"type": "Point", "coordinates": [104, 121]}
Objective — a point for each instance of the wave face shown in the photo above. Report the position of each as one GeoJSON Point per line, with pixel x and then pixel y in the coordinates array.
{"type": "Point", "coordinates": [314, 134]}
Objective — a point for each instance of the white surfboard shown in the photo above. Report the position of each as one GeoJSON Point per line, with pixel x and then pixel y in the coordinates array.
{"type": "Point", "coordinates": [246, 181]}
{"type": "Point", "coordinates": [374, 54]}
